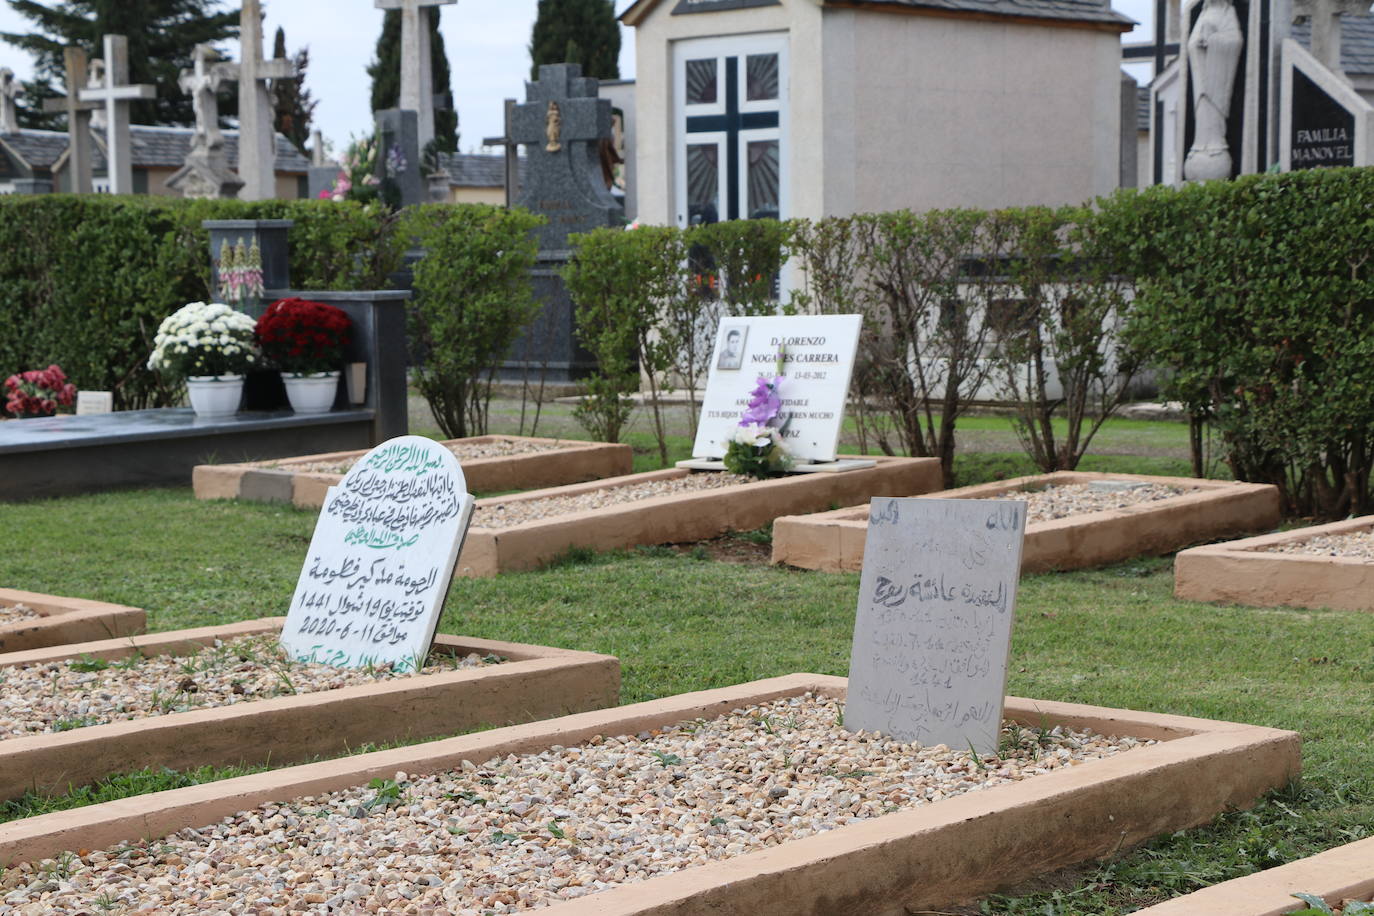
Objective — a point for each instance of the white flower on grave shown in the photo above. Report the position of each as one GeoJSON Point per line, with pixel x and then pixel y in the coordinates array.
{"type": "Point", "coordinates": [757, 436]}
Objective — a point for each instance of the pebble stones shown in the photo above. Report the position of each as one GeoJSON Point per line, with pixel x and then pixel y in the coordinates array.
{"type": "Point", "coordinates": [521, 832]}
{"type": "Point", "coordinates": [464, 451]}
{"type": "Point", "coordinates": [1081, 499]}
{"type": "Point", "coordinates": [515, 512]}
{"type": "Point", "coordinates": [1357, 545]}
{"type": "Point", "coordinates": [16, 613]}
{"type": "Point", "coordinates": [60, 696]}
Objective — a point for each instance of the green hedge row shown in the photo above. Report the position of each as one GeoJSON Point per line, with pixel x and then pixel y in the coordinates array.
{"type": "Point", "coordinates": [85, 280]}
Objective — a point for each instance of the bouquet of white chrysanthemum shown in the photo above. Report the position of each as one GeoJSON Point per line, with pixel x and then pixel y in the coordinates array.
{"type": "Point", "coordinates": [204, 339]}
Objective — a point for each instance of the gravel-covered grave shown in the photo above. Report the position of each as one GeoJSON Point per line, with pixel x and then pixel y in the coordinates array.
{"type": "Point", "coordinates": [1357, 545]}
{"type": "Point", "coordinates": [1064, 500]}
{"type": "Point", "coordinates": [60, 696]}
{"type": "Point", "coordinates": [17, 613]}
{"type": "Point", "coordinates": [463, 451]}
{"type": "Point", "coordinates": [521, 832]}
{"type": "Point", "coordinates": [518, 511]}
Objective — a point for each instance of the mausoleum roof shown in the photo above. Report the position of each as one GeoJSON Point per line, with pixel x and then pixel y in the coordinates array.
{"type": "Point", "coordinates": [38, 148]}
{"type": "Point", "coordinates": [153, 147]}
{"type": "Point", "coordinates": [1095, 11]}
{"type": "Point", "coordinates": [477, 170]}
{"type": "Point", "coordinates": [1357, 42]}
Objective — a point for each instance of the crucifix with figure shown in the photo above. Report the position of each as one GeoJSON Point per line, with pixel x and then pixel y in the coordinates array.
{"type": "Point", "coordinates": [417, 73]}
{"type": "Point", "coordinates": [9, 91]}
{"type": "Point", "coordinates": [116, 94]}
{"type": "Point", "coordinates": [78, 120]}
{"type": "Point", "coordinates": [257, 138]}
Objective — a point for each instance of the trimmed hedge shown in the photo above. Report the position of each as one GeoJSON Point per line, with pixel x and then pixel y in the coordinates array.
{"type": "Point", "coordinates": [85, 280]}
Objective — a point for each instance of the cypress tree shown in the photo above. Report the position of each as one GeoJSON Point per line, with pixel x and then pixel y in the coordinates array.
{"type": "Point", "coordinates": [385, 71]}
{"type": "Point", "coordinates": [577, 32]}
{"type": "Point", "coordinates": [162, 36]}
{"type": "Point", "coordinates": [293, 108]}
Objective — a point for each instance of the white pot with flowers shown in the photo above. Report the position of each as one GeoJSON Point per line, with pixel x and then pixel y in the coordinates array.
{"type": "Point", "coordinates": [210, 346]}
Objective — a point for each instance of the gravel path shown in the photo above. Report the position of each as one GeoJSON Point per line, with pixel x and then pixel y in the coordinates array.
{"type": "Point", "coordinates": [1083, 498]}
{"type": "Point", "coordinates": [465, 452]}
{"type": "Point", "coordinates": [518, 833]}
{"type": "Point", "coordinates": [16, 613]}
{"type": "Point", "coordinates": [1358, 545]}
{"type": "Point", "coordinates": [59, 696]}
{"type": "Point", "coordinates": [506, 514]}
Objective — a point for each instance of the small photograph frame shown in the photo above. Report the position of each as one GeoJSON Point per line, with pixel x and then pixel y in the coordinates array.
{"type": "Point", "coordinates": [733, 337]}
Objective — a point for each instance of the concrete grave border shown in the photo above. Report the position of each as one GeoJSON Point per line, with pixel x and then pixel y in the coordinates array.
{"type": "Point", "coordinates": [275, 481]}
{"type": "Point", "coordinates": [65, 620]}
{"type": "Point", "coordinates": [953, 850]}
{"type": "Point", "coordinates": [834, 541]}
{"type": "Point", "coordinates": [679, 517]}
{"type": "Point", "coordinates": [535, 682]}
{"type": "Point", "coordinates": [1240, 572]}
{"type": "Point", "coordinates": [1343, 873]}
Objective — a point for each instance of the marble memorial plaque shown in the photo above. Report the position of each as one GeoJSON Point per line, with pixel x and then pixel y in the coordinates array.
{"type": "Point", "coordinates": [379, 565]}
{"type": "Point", "coordinates": [818, 359]}
{"type": "Point", "coordinates": [94, 402]}
{"type": "Point", "coordinates": [933, 631]}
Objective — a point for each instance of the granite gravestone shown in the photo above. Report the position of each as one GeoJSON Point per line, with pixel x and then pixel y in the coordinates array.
{"type": "Point", "coordinates": [1322, 131]}
{"type": "Point", "coordinates": [381, 559]}
{"type": "Point", "coordinates": [937, 599]}
{"type": "Point", "coordinates": [561, 125]}
{"type": "Point", "coordinates": [398, 155]}
{"type": "Point", "coordinates": [817, 361]}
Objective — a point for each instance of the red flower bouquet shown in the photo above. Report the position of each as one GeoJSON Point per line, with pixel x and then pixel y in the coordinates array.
{"type": "Point", "coordinates": [297, 335]}
{"type": "Point", "coordinates": [38, 393]}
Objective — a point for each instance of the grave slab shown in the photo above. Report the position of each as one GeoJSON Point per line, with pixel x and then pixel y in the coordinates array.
{"type": "Point", "coordinates": [65, 620]}
{"type": "Point", "coordinates": [919, 859]}
{"type": "Point", "coordinates": [1249, 572]}
{"type": "Point", "coordinates": [1343, 873]}
{"type": "Point", "coordinates": [288, 480]}
{"type": "Point", "coordinates": [834, 541]}
{"type": "Point", "coordinates": [535, 682]}
{"type": "Point", "coordinates": [678, 517]}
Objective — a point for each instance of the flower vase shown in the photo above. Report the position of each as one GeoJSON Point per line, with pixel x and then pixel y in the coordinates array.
{"type": "Point", "coordinates": [311, 392]}
{"type": "Point", "coordinates": [215, 397]}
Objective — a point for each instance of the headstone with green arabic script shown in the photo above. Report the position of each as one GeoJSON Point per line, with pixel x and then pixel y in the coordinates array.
{"type": "Point", "coordinates": [380, 562]}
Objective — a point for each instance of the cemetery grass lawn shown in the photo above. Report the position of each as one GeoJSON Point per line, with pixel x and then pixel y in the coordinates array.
{"type": "Point", "coordinates": [680, 622]}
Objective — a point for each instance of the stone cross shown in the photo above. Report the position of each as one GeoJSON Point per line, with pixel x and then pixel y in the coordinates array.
{"type": "Point", "coordinates": [1326, 26]}
{"type": "Point", "coordinates": [512, 153]}
{"type": "Point", "coordinates": [78, 120]}
{"type": "Point", "coordinates": [417, 73]}
{"type": "Point", "coordinates": [257, 139]}
{"type": "Point", "coordinates": [117, 94]}
{"type": "Point", "coordinates": [202, 85]}
{"type": "Point", "coordinates": [9, 91]}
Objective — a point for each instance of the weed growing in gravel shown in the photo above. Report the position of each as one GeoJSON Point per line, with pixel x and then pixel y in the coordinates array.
{"type": "Point", "coordinates": [87, 663]}
{"type": "Point", "coordinates": [66, 725]}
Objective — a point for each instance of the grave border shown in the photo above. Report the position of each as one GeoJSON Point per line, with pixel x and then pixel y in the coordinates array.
{"type": "Point", "coordinates": [1329, 875]}
{"type": "Point", "coordinates": [1239, 572]}
{"type": "Point", "coordinates": [65, 620]}
{"type": "Point", "coordinates": [536, 682]}
{"type": "Point", "coordinates": [678, 517]}
{"type": "Point", "coordinates": [834, 541]}
{"type": "Point", "coordinates": [260, 481]}
{"type": "Point", "coordinates": [956, 849]}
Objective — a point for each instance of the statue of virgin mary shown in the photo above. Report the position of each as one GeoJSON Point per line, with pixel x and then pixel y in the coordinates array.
{"type": "Point", "coordinates": [1213, 57]}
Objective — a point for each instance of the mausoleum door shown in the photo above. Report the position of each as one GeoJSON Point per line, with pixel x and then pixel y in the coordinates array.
{"type": "Point", "coordinates": [731, 115]}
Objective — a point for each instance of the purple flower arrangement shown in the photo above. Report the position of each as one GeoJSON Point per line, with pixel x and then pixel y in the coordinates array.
{"type": "Point", "coordinates": [756, 450]}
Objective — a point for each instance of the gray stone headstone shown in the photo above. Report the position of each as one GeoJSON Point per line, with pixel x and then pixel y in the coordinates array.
{"type": "Point", "coordinates": [937, 599]}
{"type": "Point", "coordinates": [398, 130]}
{"type": "Point", "coordinates": [273, 240]}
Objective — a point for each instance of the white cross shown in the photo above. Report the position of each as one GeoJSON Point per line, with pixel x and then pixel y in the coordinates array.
{"type": "Point", "coordinates": [257, 139]}
{"type": "Point", "coordinates": [417, 73]}
{"type": "Point", "coordinates": [9, 91]}
{"type": "Point", "coordinates": [1326, 26]}
{"type": "Point", "coordinates": [117, 94]}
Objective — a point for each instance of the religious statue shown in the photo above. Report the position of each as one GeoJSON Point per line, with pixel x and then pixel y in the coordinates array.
{"type": "Point", "coordinates": [9, 91]}
{"type": "Point", "coordinates": [202, 85]}
{"type": "Point", "coordinates": [95, 79]}
{"type": "Point", "coordinates": [1213, 58]}
{"type": "Point", "coordinates": [553, 128]}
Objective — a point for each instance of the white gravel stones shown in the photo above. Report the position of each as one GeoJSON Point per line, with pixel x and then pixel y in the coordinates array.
{"type": "Point", "coordinates": [464, 451]}
{"type": "Point", "coordinates": [1064, 500]}
{"type": "Point", "coordinates": [59, 696]}
{"type": "Point", "coordinates": [515, 512]}
{"type": "Point", "coordinates": [518, 833]}
{"type": "Point", "coordinates": [1357, 545]}
{"type": "Point", "coordinates": [16, 613]}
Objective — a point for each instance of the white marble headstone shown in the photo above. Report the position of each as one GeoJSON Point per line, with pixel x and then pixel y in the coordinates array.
{"type": "Point", "coordinates": [379, 566]}
{"type": "Point", "coordinates": [936, 604]}
{"type": "Point", "coordinates": [818, 360]}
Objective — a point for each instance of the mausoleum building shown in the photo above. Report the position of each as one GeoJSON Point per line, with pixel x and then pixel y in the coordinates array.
{"type": "Point", "coordinates": [809, 108]}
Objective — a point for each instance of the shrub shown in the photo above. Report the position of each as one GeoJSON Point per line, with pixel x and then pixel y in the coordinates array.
{"type": "Point", "coordinates": [473, 296]}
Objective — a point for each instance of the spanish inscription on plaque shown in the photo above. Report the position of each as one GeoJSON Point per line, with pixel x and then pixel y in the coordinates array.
{"type": "Point", "coordinates": [1323, 130]}
{"type": "Point", "coordinates": [817, 361]}
{"type": "Point", "coordinates": [933, 631]}
{"type": "Point", "coordinates": [379, 565]}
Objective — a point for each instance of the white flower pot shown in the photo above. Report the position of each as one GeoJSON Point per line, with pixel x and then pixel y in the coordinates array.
{"type": "Point", "coordinates": [311, 393]}
{"type": "Point", "coordinates": [215, 396]}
